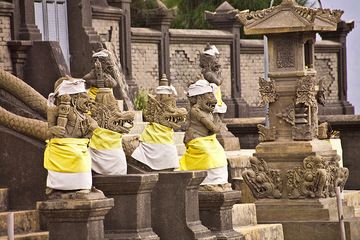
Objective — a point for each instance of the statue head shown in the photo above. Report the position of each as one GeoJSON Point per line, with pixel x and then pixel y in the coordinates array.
{"type": "Point", "coordinates": [162, 108]}
{"type": "Point", "coordinates": [75, 89]}
{"type": "Point", "coordinates": [201, 94]}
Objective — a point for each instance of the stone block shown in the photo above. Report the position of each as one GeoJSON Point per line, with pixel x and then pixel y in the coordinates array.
{"type": "Point", "coordinates": [216, 213]}
{"type": "Point", "coordinates": [79, 219]}
{"type": "Point", "coordinates": [24, 221]}
{"type": "Point", "coordinates": [131, 216]}
{"type": "Point", "coordinates": [315, 230]}
{"type": "Point", "coordinates": [246, 194]}
{"type": "Point", "coordinates": [244, 214]}
{"type": "Point", "coordinates": [176, 212]}
{"type": "Point", "coordinates": [262, 232]}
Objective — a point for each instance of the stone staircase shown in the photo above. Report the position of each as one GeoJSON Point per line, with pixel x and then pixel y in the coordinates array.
{"type": "Point", "coordinates": [26, 222]}
{"type": "Point", "coordinates": [245, 222]}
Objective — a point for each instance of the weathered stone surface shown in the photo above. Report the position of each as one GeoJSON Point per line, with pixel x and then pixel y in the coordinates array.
{"type": "Point", "coordinates": [216, 213]}
{"type": "Point", "coordinates": [4, 198]}
{"type": "Point", "coordinates": [176, 211]}
{"type": "Point", "coordinates": [262, 232]}
{"type": "Point", "coordinates": [31, 236]}
{"type": "Point", "coordinates": [315, 230]}
{"type": "Point", "coordinates": [75, 219]}
{"type": "Point", "coordinates": [131, 216]}
{"type": "Point", "coordinates": [244, 214]}
{"type": "Point", "coordinates": [24, 221]}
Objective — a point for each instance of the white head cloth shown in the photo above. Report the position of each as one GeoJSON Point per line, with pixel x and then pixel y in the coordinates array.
{"type": "Point", "coordinates": [73, 86]}
{"type": "Point", "coordinates": [212, 51]}
{"type": "Point", "coordinates": [200, 87]}
{"type": "Point", "coordinates": [102, 53]}
{"type": "Point", "coordinates": [166, 90]}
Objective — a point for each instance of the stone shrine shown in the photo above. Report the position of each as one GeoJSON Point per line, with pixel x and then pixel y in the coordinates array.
{"type": "Point", "coordinates": [293, 174]}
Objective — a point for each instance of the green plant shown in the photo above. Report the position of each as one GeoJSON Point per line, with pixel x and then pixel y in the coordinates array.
{"type": "Point", "coordinates": [141, 99]}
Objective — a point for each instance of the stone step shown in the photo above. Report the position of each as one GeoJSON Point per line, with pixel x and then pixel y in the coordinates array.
{"type": "Point", "coordinates": [244, 214]}
{"type": "Point", "coordinates": [261, 232]}
{"type": "Point", "coordinates": [4, 199]}
{"type": "Point", "coordinates": [24, 222]}
{"type": "Point", "coordinates": [30, 236]}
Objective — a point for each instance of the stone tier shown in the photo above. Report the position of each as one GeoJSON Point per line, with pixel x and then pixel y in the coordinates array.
{"type": "Point", "coordinates": [245, 222]}
{"type": "Point", "coordinates": [26, 222]}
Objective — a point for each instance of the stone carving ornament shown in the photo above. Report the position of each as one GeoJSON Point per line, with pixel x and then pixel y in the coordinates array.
{"type": "Point", "coordinates": [263, 181]}
{"type": "Point", "coordinates": [266, 134]}
{"type": "Point", "coordinates": [288, 114]}
{"type": "Point", "coordinates": [267, 91]}
{"type": "Point", "coordinates": [316, 178]}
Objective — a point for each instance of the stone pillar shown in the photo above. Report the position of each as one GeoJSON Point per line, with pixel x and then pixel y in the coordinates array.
{"type": "Point", "coordinates": [6, 16]}
{"type": "Point", "coordinates": [82, 37]}
{"type": "Point", "coordinates": [224, 18]}
{"type": "Point", "coordinates": [28, 29]}
{"type": "Point", "coordinates": [75, 219]}
{"type": "Point", "coordinates": [125, 40]}
{"type": "Point", "coordinates": [216, 213]}
{"type": "Point", "coordinates": [131, 216]}
{"type": "Point", "coordinates": [19, 53]}
{"type": "Point", "coordinates": [343, 29]}
{"type": "Point", "coordinates": [176, 209]}
{"type": "Point", "coordinates": [160, 19]}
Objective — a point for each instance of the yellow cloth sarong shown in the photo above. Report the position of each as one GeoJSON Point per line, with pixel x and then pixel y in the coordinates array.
{"type": "Point", "coordinates": [104, 139]}
{"type": "Point", "coordinates": [108, 157]}
{"type": "Point", "coordinates": [67, 155]}
{"type": "Point", "coordinates": [157, 134]}
{"type": "Point", "coordinates": [218, 96]}
{"type": "Point", "coordinates": [92, 92]}
{"type": "Point", "coordinates": [202, 154]}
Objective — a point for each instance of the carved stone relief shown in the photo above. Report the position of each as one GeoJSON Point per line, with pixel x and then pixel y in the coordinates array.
{"type": "Point", "coordinates": [267, 91]}
{"type": "Point", "coordinates": [316, 178]}
{"type": "Point", "coordinates": [302, 132]}
{"type": "Point", "coordinates": [263, 181]}
{"type": "Point", "coordinates": [266, 134]}
{"type": "Point", "coordinates": [285, 53]}
{"type": "Point", "coordinates": [288, 114]}
{"type": "Point", "coordinates": [305, 91]}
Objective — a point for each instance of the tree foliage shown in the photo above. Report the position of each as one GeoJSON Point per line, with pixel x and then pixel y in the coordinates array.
{"type": "Point", "coordinates": [190, 13]}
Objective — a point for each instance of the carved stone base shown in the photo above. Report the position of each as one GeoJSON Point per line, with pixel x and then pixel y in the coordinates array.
{"type": "Point", "coordinates": [175, 214]}
{"type": "Point", "coordinates": [216, 213]}
{"type": "Point", "coordinates": [131, 216]}
{"type": "Point", "coordinates": [75, 219]}
{"type": "Point", "coordinates": [308, 219]}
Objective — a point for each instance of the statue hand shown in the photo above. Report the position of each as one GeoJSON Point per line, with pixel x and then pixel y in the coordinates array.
{"type": "Point", "coordinates": [57, 131]}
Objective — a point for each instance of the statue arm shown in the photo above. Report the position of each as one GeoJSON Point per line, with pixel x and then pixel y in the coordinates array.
{"type": "Point", "coordinates": [205, 120]}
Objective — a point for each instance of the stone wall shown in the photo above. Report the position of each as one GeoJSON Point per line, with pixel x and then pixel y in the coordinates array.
{"type": "Point", "coordinates": [145, 65]}
{"type": "Point", "coordinates": [5, 36]}
{"type": "Point", "coordinates": [326, 65]}
{"type": "Point", "coordinates": [108, 30]}
{"type": "Point", "coordinates": [184, 66]}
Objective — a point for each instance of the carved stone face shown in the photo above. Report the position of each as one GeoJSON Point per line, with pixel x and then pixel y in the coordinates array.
{"type": "Point", "coordinates": [163, 110]}
{"type": "Point", "coordinates": [82, 102]}
{"type": "Point", "coordinates": [206, 102]}
{"type": "Point", "coordinates": [120, 122]}
{"type": "Point", "coordinates": [107, 114]}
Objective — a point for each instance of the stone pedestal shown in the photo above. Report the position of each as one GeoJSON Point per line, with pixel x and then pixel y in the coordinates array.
{"type": "Point", "coordinates": [176, 212]}
{"type": "Point", "coordinates": [309, 219]}
{"type": "Point", "coordinates": [131, 216]}
{"type": "Point", "coordinates": [216, 213]}
{"type": "Point", "coordinates": [75, 219]}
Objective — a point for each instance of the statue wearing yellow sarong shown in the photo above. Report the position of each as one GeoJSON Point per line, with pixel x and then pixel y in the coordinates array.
{"type": "Point", "coordinates": [203, 151]}
{"type": "Point", "coordinates": [66, 156]}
